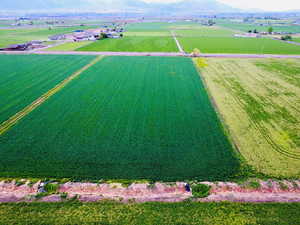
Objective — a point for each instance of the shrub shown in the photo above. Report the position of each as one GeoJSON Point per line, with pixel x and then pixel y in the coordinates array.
{"type": "Point", "coordinates": [253, 185]}
{"type": "Point", "coordinates": [200, 190]}
{"type": "Point", "coordinates": [51, 188]}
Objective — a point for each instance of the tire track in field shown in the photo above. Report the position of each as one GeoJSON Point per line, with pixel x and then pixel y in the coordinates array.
{"type": "Point", "coordinates": [259, 127]}
{"type": "Point", "coordinates": [6, 125]}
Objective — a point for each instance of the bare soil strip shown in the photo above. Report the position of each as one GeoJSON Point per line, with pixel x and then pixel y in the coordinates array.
{"type": "Point", "coordinates": [6, 125]}
{"type": "Point", "coordinates": [267, 191]}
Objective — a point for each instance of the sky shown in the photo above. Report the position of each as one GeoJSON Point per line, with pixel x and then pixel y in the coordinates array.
{"type": "Point", "coordinates": [269, 5]}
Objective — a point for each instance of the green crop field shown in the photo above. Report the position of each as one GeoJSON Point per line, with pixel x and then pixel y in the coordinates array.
{"type": "Point", "coordinates": [259, 101]}
{"type": "Point", "coordinates": [248, 26]}
{"type": "Point", "coordinates": [238, 45]}
{"type": "Point", "coordinates": [296, 39]}
{"type": "Point", "coordinates": [69, 46]}
{"type": "Point", "coordinates": [16, 36]}
{"type": "Point", "coordinates": [124, 118]}
{"type": "Point", "coordinates": [147, 33]}
{"type": "Point", "coordinates": [133, 44]}
{"type": "Point", "coordinates": [203, 31]}
{"type": "Point", "coordinates": [25, 78]}
{"type": "Point", "coordinates": [182, 213]}
{"type": "Point", "coordinates": [157, 26]}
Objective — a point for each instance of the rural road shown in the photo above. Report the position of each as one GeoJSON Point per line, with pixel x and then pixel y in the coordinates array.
{"type": "Point", "coordinates": [208, 55]}
{"type": "Point", "coordinates": [177, 42]}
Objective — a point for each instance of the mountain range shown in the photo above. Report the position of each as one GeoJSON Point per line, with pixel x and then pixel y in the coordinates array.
{"type": "Point", "coordinates": [186, 6]}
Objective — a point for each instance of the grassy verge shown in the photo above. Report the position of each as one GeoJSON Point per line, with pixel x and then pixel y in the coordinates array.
{"type": "Point", "coordinates": [149, 213]}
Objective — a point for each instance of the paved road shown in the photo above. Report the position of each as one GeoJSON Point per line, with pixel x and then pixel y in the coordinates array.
{"type": "Point", "coordinates": [147, 54]}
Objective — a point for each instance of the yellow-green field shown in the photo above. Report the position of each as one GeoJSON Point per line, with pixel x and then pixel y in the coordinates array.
{"type": "Point", "coordinates": [259, 100]}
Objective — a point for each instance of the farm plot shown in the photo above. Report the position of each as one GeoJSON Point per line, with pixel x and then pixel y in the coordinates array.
{"type": "Point", "coordinates": [157, 26]}
{"type": "Point", "coordinates": [259, 100]}
{"type": "Point", "coordinates": [133, 44]}
{"type": "Point", "coordinates": [124, 118]}
{"type": "Point", "coordinates": [17, 36]}
{"type": "Point", "coordinates": [248, 26]}
{"type": "Point", "coordinates": [238, 45]}
{"type": "Point", "coordinates": [203, 31]}
{"type": "Point", "coordinates": [25, 78]}
{"type": "Point", "coordinates": [69, 46]}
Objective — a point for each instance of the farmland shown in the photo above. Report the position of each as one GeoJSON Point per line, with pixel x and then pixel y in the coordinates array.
{"type": "Point", "coordinates": [150, 213]}
{"type": "Point", "coordinates": [248, 26]}
{"type": "Point", "coordinates": [124, 118]}
{"type": "Point", "coordinates": [133, 44]}
{"type": "Point", "coordinates": [69, 46]}
{"type": "Point", "coordinates": [16, 36]}
{"type": "Point", "coordinates": [296, 39]}
{"type": "Point", "coordinates": [259, 101]}
{"type": "Point", "coordinates": [25, 78]}
{"type": "Point", "coordinates": [203, 31]}
{"type": "Point", "coordinates": [238, 45]}
{"type": "Point", "coordinates": [158, 26]}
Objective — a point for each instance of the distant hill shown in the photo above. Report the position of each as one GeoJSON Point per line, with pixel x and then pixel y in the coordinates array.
{"type": "Point", "coordinates": [185, 6]}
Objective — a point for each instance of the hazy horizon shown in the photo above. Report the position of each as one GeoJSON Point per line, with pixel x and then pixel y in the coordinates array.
{"type": "Point", "coordinates": [141, 6]}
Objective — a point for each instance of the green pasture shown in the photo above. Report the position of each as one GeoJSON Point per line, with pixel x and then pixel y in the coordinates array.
{"type": "Point", "coordinates": [238, 45]}
{"type": "Point", "coordinates": [24, 79]}
{"type": "Point", "coordinates": [133, 44]}
{"type": "Point", "coordinates": [124, 118]}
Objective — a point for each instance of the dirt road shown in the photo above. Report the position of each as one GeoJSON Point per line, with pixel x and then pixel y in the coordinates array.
{"type": "Point", "coordinates": [166, 54]}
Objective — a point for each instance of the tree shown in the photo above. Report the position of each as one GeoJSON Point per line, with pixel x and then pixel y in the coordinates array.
{"type": "Point", "coordinates": [103, 36]}
{"type": "Point", "coordinates": [270, 30]}
{"type": "Point", "coordinates": [255, 31]}
{"type": "Point", "coordinates": [286, 38]}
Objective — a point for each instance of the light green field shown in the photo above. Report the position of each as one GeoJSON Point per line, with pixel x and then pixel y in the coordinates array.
{"type": "Point", "coordinates": [147, 33]}
{"type": "Point", "coordinates": [203, 31]}
{"type": "Point", "coordinates": [133, 44]}
{"type": "Point", "coordinates": [158, 26]}
{"type": "Point", "coordinates": [259, 101]}
{"type": "Point", "coordinates": [16, 36]}
{"type": "Point", "coordinates": [69, 46]}
{"type": "Point", "coordinates": [248, 26]}
{"type": "Point", "coordinates": [238, 45]}
{"type": "Point", "coordinates": [296, 39]}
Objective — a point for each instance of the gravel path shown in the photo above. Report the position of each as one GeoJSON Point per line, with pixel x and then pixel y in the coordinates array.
{"type": "Point", "coordinates": [177, 43]}
{"type": "Point", "coordinates": [166, 54]}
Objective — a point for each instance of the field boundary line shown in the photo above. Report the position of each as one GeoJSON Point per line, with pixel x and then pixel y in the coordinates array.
{"type": "Point", "coordinates": [6, 125]}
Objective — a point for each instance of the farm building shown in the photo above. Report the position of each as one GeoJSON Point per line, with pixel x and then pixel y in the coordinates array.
{"type": "Point", "coordinates": [57, 37]}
